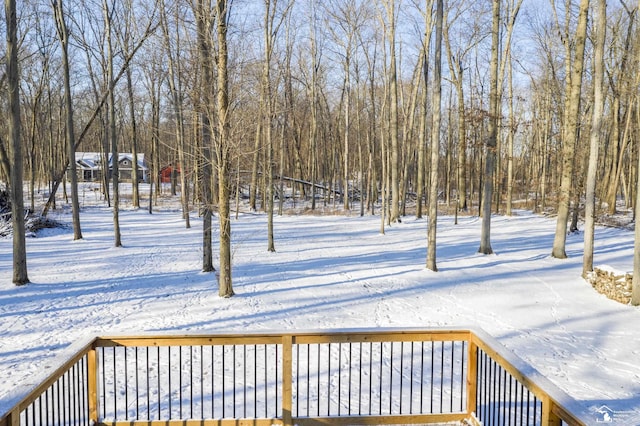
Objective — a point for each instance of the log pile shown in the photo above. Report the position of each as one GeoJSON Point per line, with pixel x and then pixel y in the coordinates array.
{"type": "Point", "coordinates": [33, 223]}
{"type": "Point", "coordinates": [615, 285]}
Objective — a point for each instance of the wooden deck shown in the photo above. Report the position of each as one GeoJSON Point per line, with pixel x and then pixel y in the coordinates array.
{"type": "Point", "coordinates": [362, 376]}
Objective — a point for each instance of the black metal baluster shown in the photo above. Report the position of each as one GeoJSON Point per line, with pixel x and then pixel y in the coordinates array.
{"type": "Point", "coordinates": [180, 381]}
{"type": "Point", "coordinates": [148, 377]}
{"type": "Point", "coordinates": [126, 387]}
{"type": "Point", "coordinates": [266, 369]}
{"type": "Point", "coordinates": [298, 379]}
{"type": "Point", "coordinates": [255, 380]}
{"type": "Point", "coordinates": [360, 382]}
{"type": "Point", "coordinates": [309, 378]}
{"type": "Point", "coordinates": [391, 380]}
{"type": "Point", "coordinates": [339, 378]}
{"type": "Point", "coordinates": [411, 378]}
{"type": "Point", "coordinates": [190, 383]}
{"type": "Point", "coordinates": [169, 375]}
{"type": "Point", "coordinates": [159, 389]}
{"type": "Point", "coordinates": [528, 405]}
{"type": "Point", "coordinates": [73, 395]}
{"type": "Point", "coordinates": [453, 351]}
{"type": "Point", "coordinates": [47, 396]}
{"type": "Point", "coordinates": [329, 383]}
{"type": "Point", "coordinates": [432, 376]}
{"type": "Point", "coordinates": [370, 377]}
{"type": "Point", "coordinates": [201, 381]}
{"type": "Point", "coordinates": [503, 386]}
{"type": "Point", "coordinates": [519, 400]}
{"type": "Point", "coordinates": [479, 384]}
{"type": "Point", "coordinates": [40, 409]}
{"type": "Point", "coordinates": [401, 372]}
{"type": "Point", "coordinates": [245, 378]}
{"type": "Point", "coordinates": [511, 409]}
{"type": "Point", "coordinates": [233, 375]}
{"type": "Point", "coordinates": [276, 379]}
{"type": "Point", "coordinates": [79, 394]}
{"type": "Point", "coordinates": [441, 376]}
{"type": "Point", "coordinates": [349, 360]}
{"type": "Point", "coordinates": [462, 374]}
{"type": "Point", "coordinates": [488, 389]}
{"type": "Point", "coordinates": [422, 377]}
{"type": "Point", "coordinates": [65, 399]}
{"type": "Point", "coordinates": [213, 385]}
{"type": "Point", "coordinates": [224, 387]}
{"type": "Point", "coordinates": [318, 384]}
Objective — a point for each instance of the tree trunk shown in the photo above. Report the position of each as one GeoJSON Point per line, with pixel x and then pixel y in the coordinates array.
{"type": "Point", "coordinates": [510, 140]}
{"type": "Point", "coordinates": [570, 133]}
{"type": "Point", "coordinates": [223, 150]}
{"type": "Point", "coordinates": [20, 276]}
{"type": "Point", "coordinates": [394, 215]}
{"type": "Point", "coordinates": [268, 117]}
{"type": "Point", "coordinates": [63, 35]}
{"type": "Point", "coordinates": [112, 130]}
{"type": "Point", "coordinates": [347, 129]}
{"type": "Point", "coordinates": [175, 86]}
{"type": "Point", "coordinates": [490, 149]}
{"type": "Point", "coordinates": [135, 195]}
{"type": "Point", "coordinates": [435, 140]}
{"type": "Point", "coordinates": [253, 187]}
{"type": "Point", "coordinates": [203, 16]}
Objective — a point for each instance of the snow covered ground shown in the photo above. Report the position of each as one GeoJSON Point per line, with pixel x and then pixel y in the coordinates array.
{"type": "Point", "coordinates": [328, 272]}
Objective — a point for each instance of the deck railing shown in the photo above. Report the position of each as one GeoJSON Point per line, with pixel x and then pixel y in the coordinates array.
{"type": "Point", "coordinates": [377, 376]}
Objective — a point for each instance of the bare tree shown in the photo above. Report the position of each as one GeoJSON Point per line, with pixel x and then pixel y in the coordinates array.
{"type": "Point", "coordinates": [389, 21]}
{"type": "Point", "coordinates": [125, 39]}
{"type": "Point", "coordinates": [313, 99]}
{"type": "Point", "coordinates": [635, 292]}
{"type": "Point", "coordinates": [270, 32]}
{"type": "Point", "coordinates": [435, 140]}
{"type": "Point", "coordinates": [63, 36]}
{"type": "Point", "coordinates": [177, 96]}
{"type": "Point", "coordinates": [424, 100]}
{"type": "Point", "coordinates": [513, 8]}
{"type": "Point", "coordinates": [223, 150]}
{"type": "Point", "coordinates": [204, 14]}
{"type": "Point", "coordinates": [457, 60]}
{"type": "Point", "coordinates": [490, 146]}
{"type": "Point", "coordinates": [570, 129]}
{"type": "Point", "coordinates": [272, 24]}
{"type": "Point", "coordinates": [20, 276]}
{"type": "Point", "coordinates": [594, 137]}
{"type": "Point", "coordinates": [111, 119]}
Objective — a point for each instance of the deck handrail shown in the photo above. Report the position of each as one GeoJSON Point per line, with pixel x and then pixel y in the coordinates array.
{"type": "Point", "coordinates": [459, 375]}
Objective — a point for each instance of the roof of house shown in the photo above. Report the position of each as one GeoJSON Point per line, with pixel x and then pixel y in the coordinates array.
{"type": "Point", "coordinates": [92, 160]}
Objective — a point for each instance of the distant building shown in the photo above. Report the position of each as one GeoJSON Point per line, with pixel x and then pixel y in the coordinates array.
{"type": "Point", "coordinates": [169, 173]}
{"type": "Point", "coordinates": [89, 166]}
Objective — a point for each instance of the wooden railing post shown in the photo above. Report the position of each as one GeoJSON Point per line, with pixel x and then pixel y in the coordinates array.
{"type": "Point", "coordinates": [287, 379]}
{"type": "Point", "coordinates": [549, 418]}
{"type": "Point", "coordinates": [14, 417]}
{"type": "Point", "coordinates": [472, 376]}
{"type": "Point", "coordinates": [92, 384]}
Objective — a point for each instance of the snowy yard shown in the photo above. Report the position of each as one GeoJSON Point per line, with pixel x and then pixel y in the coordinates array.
{"type": "Point", "coordinates": [328, 272]}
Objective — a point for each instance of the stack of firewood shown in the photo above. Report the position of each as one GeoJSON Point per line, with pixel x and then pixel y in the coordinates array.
{"type": "Point", "coordinates": [616, 286]}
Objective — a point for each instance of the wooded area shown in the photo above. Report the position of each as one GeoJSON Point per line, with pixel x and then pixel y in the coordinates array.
{"type": "Point", "coordinates": [378, 107]}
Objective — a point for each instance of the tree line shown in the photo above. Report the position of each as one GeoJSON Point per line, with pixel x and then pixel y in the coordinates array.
{"type": "Point", "coordinates": [389, 107]}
